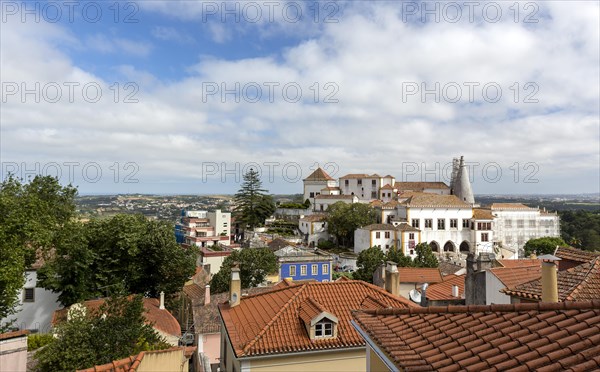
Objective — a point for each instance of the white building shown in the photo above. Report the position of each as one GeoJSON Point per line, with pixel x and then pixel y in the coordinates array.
{"type": "Point", "coordinates": [322, 202]}
{"type": "Point", "coordinates": [516, 223]}
{"type": "Point", "coordinates": [206, 229]}
{"type": "Point", "coordinates": [316, 182]}
{"type": "Point", "coordinates": [313, 228]}
{"type": "Point", "coordinates": [387, 236]}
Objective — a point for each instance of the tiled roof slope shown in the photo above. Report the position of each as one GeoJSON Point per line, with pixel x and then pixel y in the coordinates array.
{"type": "Point", "coordinates": [269, 323]}
{"type": "Point", "coordinates": [419, 275]}
{"type": "Point", "coordinates": [574, 254]}
{"type": "Point", "coordinates": [420, 185]}
{"type": "Point", "coordinates": [510, 206]}
{"type": "Point", "coordinates": [132, 363]}
{"type": "Point", "coordinates": [482, 214]}
{"type": "Point", "coordinates": [576, 284]}
{"type": "Point", "coordinates": [520, 262]}
{"type": "Point", "coordinates": [434, 200]}
{"type": "Point", "coordinates": [511, 337]}
{"type": "Point", "coordinates": [513, 276]}
{"type": "Point", "coordinates": [443, 291]}
{"type": "Point", "coordinates": [319, 175]}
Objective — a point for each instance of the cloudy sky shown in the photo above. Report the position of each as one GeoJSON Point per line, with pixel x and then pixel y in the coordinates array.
{"type": "Point", "coordinates": [183, 96]}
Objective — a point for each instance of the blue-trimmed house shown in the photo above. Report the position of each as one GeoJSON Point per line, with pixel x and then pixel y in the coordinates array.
{"type": "Point", "coordinates": [304, 264]}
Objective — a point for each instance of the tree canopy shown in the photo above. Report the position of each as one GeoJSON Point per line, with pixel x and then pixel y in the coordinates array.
{"type": "Point", "coordinates": [252, 204]}
{"type": "Point", "coordinates": [33, 218]}
{"type": "Point", "coordinates": [396, 255]}
{"type": "Point", "coordinates": [130, 251]}
{"type": "Point", "coordinates": [581, 229]}
{"type": "Point", "coordinates": [545, 245]}
{"type": "Point", "coordinates": [255, 265]}
{"type": "Point", "coordinates": [425, 257]}
{"type": "Point", "coordinates": [367, 262]}
{"type": "Point", "coordinates": [115, 331]}
{"type": "Point", "coordinates": [343, 219]}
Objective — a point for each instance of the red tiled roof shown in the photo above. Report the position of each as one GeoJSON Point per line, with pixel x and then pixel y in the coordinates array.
{"type": "Point", "coordinates": [524, 262]}
{"type": "Point", "coordinates": [575, 284]}
{"type": "Point", "coordinates": [574, 254]}
{"type": "Point", "coordinates": [419, 275]}
{"type": "Point", "coordinates": [510, 206]}
{"type": "Point", "coordinates": [162, 320]}
{"type": "Point", "coordinates": [321, 196]}
{"type": "Point", "coordinates": [513, 276]}
{"type": "Point", "coordinates": [269, 323]}
{"type": "Point", "coordinates": [319, 175]}
{"type": "Point", "coordinates": [523, 337]}
{"type": "Point", "coordinates": [387, 186]}
{"type": "Point", "coordinates": [14, 334]}
{"type": "Point", "coordinates": [420, 186]}
{"type": "Point", "coordinates": [443, 291]}
{"type": "Point", "coordinates": [418, 199]}
{"type": "Point", "coordinates": [132, 363]}
{"type": "Point", "coordinates": [482, 214]}
{"type": "Point", "coordinates": [359, 175]}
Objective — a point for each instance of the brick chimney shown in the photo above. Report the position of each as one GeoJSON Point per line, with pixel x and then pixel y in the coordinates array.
{"type": "Point", "coordinates": [549, 278]}
{"type": "Point", "coordinates": [235, 287]}
{"type": "Point", "coordinates": [206, 295]}
{"type": "Point", "coordinates": [392, 278]}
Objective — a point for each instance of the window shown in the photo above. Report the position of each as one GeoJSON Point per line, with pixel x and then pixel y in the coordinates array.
{"type": "Point", "coordinates": [508, 223]}
{"type": "Point", "coordinates": [359, 182]}
{"type": "Point", "coordinates": [428, 223]}
{"type": "Point", "coordinates": [346, 182]}
{"type": "Point", "coordinates": [326, 269]}
{"type": "Point", "coordinates": [465, 224]}
{"type": "Point", "coordinates": [312, 194]}
{"type": "Point", "coordinates": [292, 270]}
{"type": "Point", "coordinates": [373, 194]}
{"type": "Point", "coordinates": [412, 252]}
{"type": "Point", "coordinates": [411, 236]}
{"type": "Point", "coordinates": [377, 235]}
{"type": "Point", "coordinates": [314, 269]}
{"type": "Point", "coordinates": [508, 239]}
{"type": "Point", "coordinates": [531, 223]}
{"type": "Point", "coordinates": [387, 234]}
{"type": "Point", "coordinates": [29, 295]}
{"type": "Point", "coordinates": [415, 223]}
{"type": "Point", "coordinates": [520, 224]}
{"type": "Point", "coordinates": [303, 270]}
{"type": "Point", "coordinates": [374, 183]}
{"type": "Point", "coordinates": [453, 223]}
{"type": "Point", "coordinates": [484, 237]}
{"type": "Point", "coordinates": [441, 224]}
{"type": "Point", "coordinates": [324, 328]}
{"type": "Point", "coordinates": [387, 246]}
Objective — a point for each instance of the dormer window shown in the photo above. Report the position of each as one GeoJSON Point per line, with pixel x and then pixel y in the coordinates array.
{"type": "Point", "coordinates": [324, 328]}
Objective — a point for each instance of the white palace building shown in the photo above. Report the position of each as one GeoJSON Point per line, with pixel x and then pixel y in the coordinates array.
{"type": "Point", "coordinates": [446, 217]}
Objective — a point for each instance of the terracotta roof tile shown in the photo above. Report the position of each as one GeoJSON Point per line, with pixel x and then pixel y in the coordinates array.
{"type": "Point", "coordinates": [319, 175]}
{"type": "Point", "coordinates": [434, 200]}
{"type": "Point", "coordinates": [482, 214]}
{"type": "Point", "coordinates": [523, 262]}
{"type": "Point", "coordinates": [14, 334]}
{"type": "Point", "coordinates": [443, 291]}
{"type": "Point", "coordinates": [359, 175]}
{"type": "Point", "coordinates": [132, 363]}
{"type": "Point", "coordinates": [513, 276]}
{"type": "Point", "coordinates": [576, 284]}
{"type": "Point", "coordinates": [419, 275]}
{"type": "Point", "coordinates": [510, 206]}
{"type": "Point", "coordinates": [514, 337]}
{"type": "Point", "coordinates": [420, 186]}
{"type": "Point", "coordinates": [268, 323]}
{"type": "Point", "coordinates": [574, 254]}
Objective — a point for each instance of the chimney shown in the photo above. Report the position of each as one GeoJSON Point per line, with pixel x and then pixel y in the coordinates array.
{"type": "Point", "coordinates": [549, 278]}
{"type": "Point", "coordinates": [424, 301]}
{"type": "Point", "coordinates": [235, 287]}
{"type": "Point", "coordinates": [206, 295]}
{"type": "Point", "coordinates": [162, 300]}
{"type": "Point", "coordinates": [484, 261]}
{"type": "Point", "coordinates": [455, 291]}
{"type": "Point", "coordinates": [392, 278]}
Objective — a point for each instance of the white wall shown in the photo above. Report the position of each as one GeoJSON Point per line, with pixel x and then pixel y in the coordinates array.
{"type": "Point", "coordinates": [493, 285]}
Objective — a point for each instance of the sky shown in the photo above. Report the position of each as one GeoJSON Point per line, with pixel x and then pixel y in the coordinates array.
{"type": "Point", "coordinates": [183, 97]}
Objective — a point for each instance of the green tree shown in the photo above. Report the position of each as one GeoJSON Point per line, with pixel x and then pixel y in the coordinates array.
{"type": "Point", "coordinates": [32, 218]}
{"type": "Point", "coordinates": [343, 219]}
{"type": "Point", "coordinates": [255, 265]}
{"type": "Point", "coordinates": [396, 255]}
{"type": "Point", "coordinates": [115, 331]}
{"type": "Point", "coordinates": [545, 245]}
{"type": "Point", "coordinates": [581, 229]}
{"type": "Point", "coordinates": [126, 251]}
{"type": "Point", "coordinates": [367, 262]}
{"type": "Point", "coordinates": [425, 257]}
{"type": "Point", "coordinates": [252, 204]}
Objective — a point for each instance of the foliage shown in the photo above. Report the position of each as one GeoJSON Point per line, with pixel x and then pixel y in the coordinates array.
{"type": "Point", "coordinates": [545, 245]}
{"type": "Point", "coordinates": [253, 205]}
{"type": "Point", "coordinates": [367, 262]}
{"type": "Point", "coordinates": [37, 340]}
{"type": "Point", "coordinates": [344, 218]}
{"type": "Point", "coordinates": [255, 265]}
{"type": "Point", "coordinates": [292, 206]}
{"type": "Point", "coordinates": [325, 244]}
{"type": "Point", "coordinates": [115, 331]}
{"type": "Point", "coordinates": [32, 218]}
{"type": "Point", "coordinates": [126, 251]}
{"type": "Point", "coordinates": [425, 257]}
{"type": "Point", "coordinates": [397, 256]}
{"type": "Point", "coordinates": [581, 229]}
{"type": "Point", "coordinates": [338, 274]}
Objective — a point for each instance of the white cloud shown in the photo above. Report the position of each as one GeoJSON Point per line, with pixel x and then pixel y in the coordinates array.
{"type": "Point", "coordinates": [370, 55]}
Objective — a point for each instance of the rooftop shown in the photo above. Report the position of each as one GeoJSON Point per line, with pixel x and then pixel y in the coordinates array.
{"type": "Point", "coordinates": [523, 262]}
{"type": "Point", "coordinates": [321, 196]}
{"type": "Point", "coordinates": [132, 363]}
{"type": "Point", "coordinates": [539, 336]}
{"type": "Point", "coordinates": [434, 200]}
{"type": "Point", "coordinates": [575, 284]}
{"type": "Point", "coordinates": [269, 323]}
{"type": "Point", "coordinates": [513, 276]}
{"type": "Point", "coordinates": [319, 175]}
{"type": "Point", "coordinates": [574, 254]}
{"type": "Point", "coordinates": [315, 217]}
{"type": "Point", "coordinates": [419, 186]}
{"type": "Point", "coordinates": [510, 206]}
{"type": "Point", "coordinates": [419, 275]}
{"type": "Point", "coordinates": [360, 175]}
{"type": "Point", "coordinates": [482, 214]}
{"type": "Point", "coordinates": [443, 291]}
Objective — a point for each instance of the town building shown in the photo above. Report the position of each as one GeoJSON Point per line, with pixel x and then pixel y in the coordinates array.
{"type": "Point", "coordinates": [212, 258]}
{"type": "Point", "coordinates": [172, 359]}
{"type": "Point", "coordinates": [203, 228]}
{"type": "Point", "coordinates": [514, 337]}
{"type": "Point", "coordinates": [297, 263]}
{"type": "Point", "coordinates": [409, 279]}
{"type": "Point", "coordinates": [451, 291]}
{"type": "Point", "coordinates": [298, 326]}
{"type": "Point", "coordinates": [317, 183]}
{"type": "Point", "coordinates": [13, 351]}
{"type": "Point", "coordinates": [387, 236]}
{"type": "Point", "coordinates": [313, 228]}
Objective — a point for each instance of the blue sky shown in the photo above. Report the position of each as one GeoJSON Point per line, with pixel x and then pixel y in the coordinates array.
{"type": "Point", "coordinates": [364, 87]}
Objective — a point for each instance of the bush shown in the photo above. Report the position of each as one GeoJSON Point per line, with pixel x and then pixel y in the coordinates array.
{"type": "Point", "coordinates": [325, 244]}
{"type": "Point", "coordinates": [336, 275]}
{"type": "Point", "coordinates": [38, 340]}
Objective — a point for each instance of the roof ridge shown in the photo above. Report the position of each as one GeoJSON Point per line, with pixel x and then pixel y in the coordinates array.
{"type": "Point", "coordinates": [381, 290]}
{"type": "Point", "coordinates": [575, 288]}
{"type": "Point", "coordinates": [274, 318]}
{"type": "Point", "coordinates": [502, 308]}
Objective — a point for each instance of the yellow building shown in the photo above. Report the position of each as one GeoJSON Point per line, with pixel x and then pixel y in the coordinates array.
{"type": "Point", "coordinates": [298, 326]}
